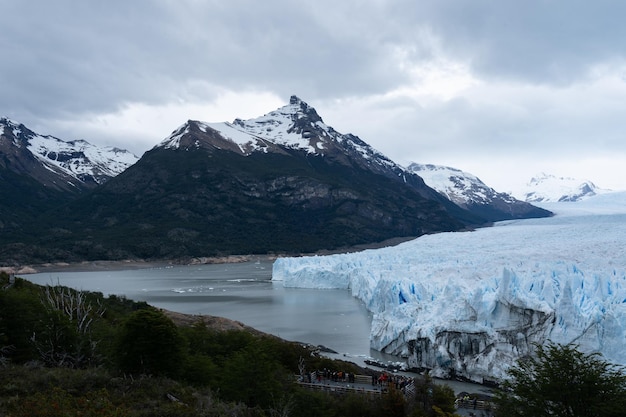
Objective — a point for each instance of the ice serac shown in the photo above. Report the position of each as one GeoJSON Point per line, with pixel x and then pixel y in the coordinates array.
{"type": "Point", "coordinates": [472, 303]}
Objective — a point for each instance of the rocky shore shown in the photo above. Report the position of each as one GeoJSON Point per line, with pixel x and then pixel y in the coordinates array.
{"type": "Point", "coordinates": [121, 265]}
{"type": "Point", "coordinates": [87, 266]}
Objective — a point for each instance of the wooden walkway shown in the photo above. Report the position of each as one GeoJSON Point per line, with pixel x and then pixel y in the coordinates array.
{"type": "Point", "coordinates": [339, 388]}
{"type": "Point", "coordinates": [362, 385]}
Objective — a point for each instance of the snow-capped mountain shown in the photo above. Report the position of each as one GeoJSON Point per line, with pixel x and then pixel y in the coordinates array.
{"type": "Point", "coordinates": [294, 127]}
{"type": "Point", "coordinates": [545, 188]}
{"type": "Point", "coordinates": [57, 163]}
{"type": "Point", "coordinates": [472, 303]}
{"type": "Point", "coordinates": [468, 191]}
{"type": "Point", "coordinates": [282, 182]}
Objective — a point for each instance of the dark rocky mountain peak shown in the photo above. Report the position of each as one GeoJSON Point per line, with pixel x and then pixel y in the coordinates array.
{"type": "Point", "coordinates": [294, 127]}
{"type": "Point", "coordinates": [306, 114]}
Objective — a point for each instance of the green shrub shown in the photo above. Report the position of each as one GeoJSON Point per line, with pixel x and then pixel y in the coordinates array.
{"type": "Point", "coordinates": [561, 380]}
{"type": "Point", "coordinates": [149, 343]}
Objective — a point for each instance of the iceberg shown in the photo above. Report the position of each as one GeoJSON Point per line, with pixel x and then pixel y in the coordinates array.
{"type": "Point", "coordinates": [471, 303]}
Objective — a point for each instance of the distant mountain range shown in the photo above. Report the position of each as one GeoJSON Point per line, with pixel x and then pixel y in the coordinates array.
{"type": "Point", "coordinates": [284, 182]}
{"type": "Point", "coordinates": [545, 188]}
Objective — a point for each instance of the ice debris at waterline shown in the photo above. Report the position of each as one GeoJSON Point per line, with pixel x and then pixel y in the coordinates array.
{"type": "Point", "coordinates": [471, 303]}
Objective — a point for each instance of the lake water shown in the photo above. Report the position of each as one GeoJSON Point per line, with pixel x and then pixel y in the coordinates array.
{"type": "Point", "coordinates": [242, 292]}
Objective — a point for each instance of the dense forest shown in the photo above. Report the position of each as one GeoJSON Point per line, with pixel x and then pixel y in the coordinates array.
{"type": "Point", "coordinates": [75, 353]}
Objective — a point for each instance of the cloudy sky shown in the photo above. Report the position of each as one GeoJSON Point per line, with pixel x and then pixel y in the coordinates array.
{"type": "Point", "coordinates": [501, 89]}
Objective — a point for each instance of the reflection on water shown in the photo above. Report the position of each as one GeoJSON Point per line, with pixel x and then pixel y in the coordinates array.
{"type": "Point", "coordinates": [242, 292]}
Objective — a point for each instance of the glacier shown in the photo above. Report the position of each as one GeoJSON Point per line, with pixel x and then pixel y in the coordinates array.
{"type": "Point", "coordinates": [471, 303]}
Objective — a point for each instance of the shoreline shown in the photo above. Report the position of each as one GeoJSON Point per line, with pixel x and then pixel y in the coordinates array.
{"type": "Point", "coordinates": [128, 264]}
{"type": "Point", "coordinates": [88, 266]}
{"type": "Point", "coordinates": [121, 265]}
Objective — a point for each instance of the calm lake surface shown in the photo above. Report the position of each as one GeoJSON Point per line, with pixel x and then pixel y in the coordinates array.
{"type": "Point", "coordinates": [238, 291]}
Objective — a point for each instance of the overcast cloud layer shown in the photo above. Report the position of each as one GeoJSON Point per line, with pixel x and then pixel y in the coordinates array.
{"type": "Point", "coordinates": [503, 90]}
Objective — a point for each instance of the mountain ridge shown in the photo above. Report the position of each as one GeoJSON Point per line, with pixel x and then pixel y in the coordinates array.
{"type": "Point", "coordinates": [208, 192]}
{"type": "Point", "coordinates": [284, 182]}
{"type": "Point", "coordinates": [469, 192]}
{"type": "Point", "coordinates": [64, 165]}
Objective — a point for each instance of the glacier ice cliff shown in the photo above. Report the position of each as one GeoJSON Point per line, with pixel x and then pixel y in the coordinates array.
{"type": "Point", "coordinates": [471, 303]}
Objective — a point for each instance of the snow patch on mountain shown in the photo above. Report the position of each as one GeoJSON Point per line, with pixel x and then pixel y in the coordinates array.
{"type": "Point", "coordinates": [472, 303]}
{"type": "Point", "coordinates": [173, 140]}
{"type": "Point", "coordinates": [14, 129]}
{"type": "Point", "coordinates": [458, 186]}
{"type": "Point", "coordinates": [295, 125]}
{"type": "Point", "coordinates": [469, 192]}
{"type": "Point", "coordinates": [78, 159]}
{"type": "Point", "coordinates": [278, 126]}
{"type": "Point", "coordinates": [550, 188]}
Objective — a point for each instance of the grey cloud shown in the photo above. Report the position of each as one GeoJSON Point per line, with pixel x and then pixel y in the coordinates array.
{"type": "Point", "coordinates": [536, 41]}
{"type": "Point", "coordinates": [70, 56]}
{"type": "Point", "coordinates": [65, 61]}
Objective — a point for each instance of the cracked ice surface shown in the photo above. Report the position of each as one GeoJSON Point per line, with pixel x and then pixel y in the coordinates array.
{"type": "Point", "coordinates": [473, 302]}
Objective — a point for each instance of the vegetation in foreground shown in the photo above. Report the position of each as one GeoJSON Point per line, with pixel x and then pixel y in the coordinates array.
{"type": "Point", "coordinates": [562, 381]}
{"type": "Point", "coordinates": [73, 353]}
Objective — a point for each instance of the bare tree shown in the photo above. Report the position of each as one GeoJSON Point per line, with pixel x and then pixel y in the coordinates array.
{"type": "Point", "coordinates": [67, 340]}
{"type": "Point", "coordinates": [302, 367]}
